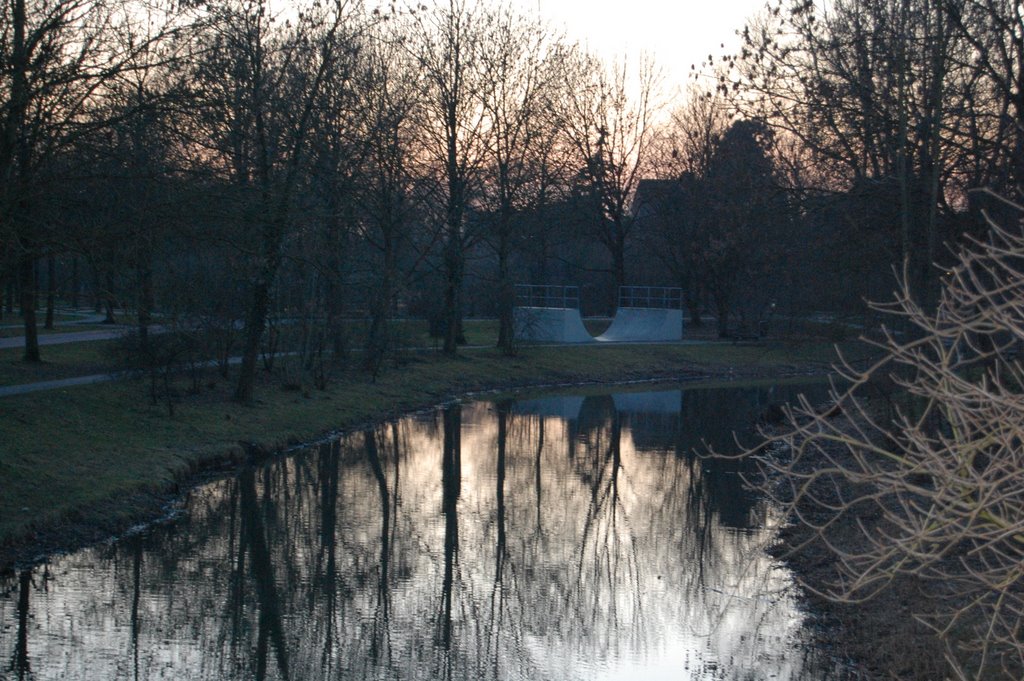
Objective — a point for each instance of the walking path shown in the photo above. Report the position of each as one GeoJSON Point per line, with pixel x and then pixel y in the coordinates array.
{"type": "Point", "coordinates": [69, 337]}
{"type": "Point", "coordinates": [9, 390]}
{"type": "Point", "coordinates": [110, 334]}
{"type": "Point", "coordinates": [84, 318]}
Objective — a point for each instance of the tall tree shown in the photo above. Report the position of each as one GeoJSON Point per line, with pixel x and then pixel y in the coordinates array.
{"type": "Point", "coordinates": [389, 196]}
{"type": "Point", "coordinates": [261, 81]}
{"type": "Point", "coordinates": [868, 87]}
{"type": "Point", "coordinates": [673, 217]}
{"type": "Point", "coordinates": [608, 116]}
{"type": "Point", "coordinates": [450, 37]}
{"type": "Point", "coordinates": [994, 63]}
{"type": "Point", "coordinates": [522, 79]}
{"type": "Point", "coordinates": [745, 216]}
{"type": "Point", "coordinates": [57, 58]}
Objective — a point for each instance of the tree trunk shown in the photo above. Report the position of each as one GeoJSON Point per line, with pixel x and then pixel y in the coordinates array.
{"type": "Point", "coordinates": [74, 283]}
{"type": "Point", "coordinates": [722, 310]}
{"type": "Point", "coordinates": [26, 272]}
{"type": "Point", "coordinates": [377, 338]}
{"type": "Point", "coordinates": [692, 303]}
{"type": "Point", "coordinates": [10, 293]}
{"type": "Point", "coordinates": [453, 272]}
{"type": "Point", "coordinates": [255, 323]}
{"type": "Point", "coordinates": [145, 303]}
{"type": "Point", "coordinates": [51, 289]}
{"type": "Point", "coordinates": [506, 294]}
{"type": "Point", "coordinates": [619, 264]}
{"type": "Point", "coordinates": [108, 298]}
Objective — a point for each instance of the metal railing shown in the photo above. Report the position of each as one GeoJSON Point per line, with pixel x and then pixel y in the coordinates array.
{"type": "Point", "coordinates": [540, 295]}
{"type": "Point", "coordinates": [658, 297]}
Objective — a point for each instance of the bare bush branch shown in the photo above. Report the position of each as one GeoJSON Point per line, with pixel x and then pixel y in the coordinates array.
{"type": "Point", "coordinates": [931, 477]}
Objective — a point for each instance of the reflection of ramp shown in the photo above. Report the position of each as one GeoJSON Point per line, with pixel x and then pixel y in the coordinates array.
{"type": "Point", "coordinates": [644, 324]}
{"type": "Point", "coordinates": [550, 324]}
{"type": "Point", "coordinates": [598, 408]}
{"type": "Point", "coordinates": [661, 402]}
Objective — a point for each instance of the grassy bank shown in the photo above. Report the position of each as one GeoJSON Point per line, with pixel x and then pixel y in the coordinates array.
{"type": "Point", "coordinates": [82, 462]}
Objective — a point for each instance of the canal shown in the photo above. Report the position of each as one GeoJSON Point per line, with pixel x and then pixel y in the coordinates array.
{"type": "Point", "coordinates": [562, 537]}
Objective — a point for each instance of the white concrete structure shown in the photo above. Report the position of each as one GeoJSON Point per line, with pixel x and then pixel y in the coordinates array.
{"type": "Point", "coordinates": [550, 325]}
{"type": "Point", "coordinates": [564, 325]}
{"type": "Point", "coordinates": [644, 324]}
{"type": "Point", "coordinates": [550, 314]}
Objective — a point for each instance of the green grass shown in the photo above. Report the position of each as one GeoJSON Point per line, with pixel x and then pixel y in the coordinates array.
{"type": "Point", "coordinates": [59, 361]}
{"type": "Point", "coordinates": [415, 333]}
{"type": "Point", "coordinates": [80, 359]}
{"type": "Point", "coordinates": [67, 453]}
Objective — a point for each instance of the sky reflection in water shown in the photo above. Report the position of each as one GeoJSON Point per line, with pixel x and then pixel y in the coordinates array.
{"type": "Point", "coordinates": [556, 538]}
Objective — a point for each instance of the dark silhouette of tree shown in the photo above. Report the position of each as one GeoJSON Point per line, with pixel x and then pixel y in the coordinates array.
{"type": "Point", "coordinates": [261, 83]}
{"type": "Point", "coordinates": [58, 59]}
{"type": "Point", "coordinates": [744, 215]}
{"type": "Point", "coordinates": [389, 195]}
{"type": "Point", "coordinates": [450, 38]}
{"type": "Point", "coordinates": [521, 72]}
{"type": "Point", "coordinates": [886, 91]}
{"type": "Point", "coordinates": [611, 133]}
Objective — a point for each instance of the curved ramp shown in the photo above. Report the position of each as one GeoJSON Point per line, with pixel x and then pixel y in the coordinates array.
{"type": "Point", "coordinates": [644, 324]}
{"type": "Point", "coordinates": [550, 325]}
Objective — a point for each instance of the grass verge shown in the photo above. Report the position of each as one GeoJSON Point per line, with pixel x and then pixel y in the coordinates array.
{"type": "Point", "coordinates": [81, 463]}
{"type": "Point", "coordinates": [59, 361]}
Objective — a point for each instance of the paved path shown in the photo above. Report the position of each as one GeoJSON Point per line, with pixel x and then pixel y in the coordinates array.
{"type": "Point", "coordinates": [9, 390]}
{"type": "Point", "coordinates": [69, 337]}
{"type": "Point", "coordinates": [83, 318]}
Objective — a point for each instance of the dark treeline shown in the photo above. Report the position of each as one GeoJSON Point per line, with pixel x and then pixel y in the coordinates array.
{"type": "Point", "coordinates": [229, 166]}
{"type": "Point", "coordinates": [891, 117]}
{"type": "Point", "coordinates": [845, 144]}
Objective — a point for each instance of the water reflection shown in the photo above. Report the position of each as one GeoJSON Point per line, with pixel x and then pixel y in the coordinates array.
{"type": "Point", "coordinates": [559, 538]}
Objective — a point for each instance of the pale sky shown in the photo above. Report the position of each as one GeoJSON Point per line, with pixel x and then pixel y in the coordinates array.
{"type": "Point", "coordinates": [677, 33]}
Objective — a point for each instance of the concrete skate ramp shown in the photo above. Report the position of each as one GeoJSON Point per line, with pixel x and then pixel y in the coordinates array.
{"type": "Point", "coordinates": [550, 325]}
{"type": "Point", "coordinates": [644, 324]}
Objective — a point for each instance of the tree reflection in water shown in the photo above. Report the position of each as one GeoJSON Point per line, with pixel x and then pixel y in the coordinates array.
{"type": "Point", "coordinates": [557, 538]}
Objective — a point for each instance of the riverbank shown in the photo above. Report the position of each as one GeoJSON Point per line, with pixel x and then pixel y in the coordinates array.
{"type": "Point", "coordinates": [85, 463]}
{"type": "Point", "coordinates": [881, 638]}
{"type": "Point", "coordinates": [884, 637]}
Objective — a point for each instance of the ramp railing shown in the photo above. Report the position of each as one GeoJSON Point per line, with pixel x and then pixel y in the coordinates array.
{"type": "Point", "coordinates": [541, 295]}
{"type": "Point", "coordinates": [656, 297]}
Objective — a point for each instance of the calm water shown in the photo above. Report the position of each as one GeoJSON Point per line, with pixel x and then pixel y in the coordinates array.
{"type": "Point", "coordinates": [557, 538]}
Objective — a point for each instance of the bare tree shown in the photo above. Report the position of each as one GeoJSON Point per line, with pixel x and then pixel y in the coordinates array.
{"type": "Point", "coordinates": [261, 82]}
{"type": "Point", "coordinates": [873, 88]}
{"type": "Point", "coordinates": [521, 78]}
{"type": "Point", "coordinates": [672, 218]}
{"type": "Point", "coordinates": [608, 117]}
{"type": "Point", "coordinates": [932, 487]}
{"type": "Point", "coordinates": [993, 143]}
{"type": "Point", "coordinates": [449, 38]}
{"type": "Point", "coordinates": [57, 59]}
{"type": "Point", "coordinates": [389, 195]}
